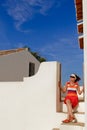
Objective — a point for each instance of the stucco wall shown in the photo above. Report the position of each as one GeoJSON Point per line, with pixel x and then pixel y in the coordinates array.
{"type": "Point", "coordinates": [15, 66]}
{"type": "Point", "coordinates": [30, 104]}
{"type": "Point", "coordinates": [85, 55]}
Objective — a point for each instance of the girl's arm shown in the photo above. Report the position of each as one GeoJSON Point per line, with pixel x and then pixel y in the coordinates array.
{"type": "Point", "coordinates": [80, 91]}
{"type": "Point", "coordinates": [63, 89]}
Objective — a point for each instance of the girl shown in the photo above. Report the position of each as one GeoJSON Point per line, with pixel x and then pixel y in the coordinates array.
{"type": "Point", "coordinates": [71, 99]}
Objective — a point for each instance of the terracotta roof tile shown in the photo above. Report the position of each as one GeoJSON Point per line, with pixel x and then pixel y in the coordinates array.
{"type": "Point", "coordinates": [6, 52]}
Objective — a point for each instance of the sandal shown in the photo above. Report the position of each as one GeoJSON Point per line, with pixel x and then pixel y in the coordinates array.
{"type": "Point", "coordinates": [65, 121]}
{"type": "Point", "coordinates": [72, 119]}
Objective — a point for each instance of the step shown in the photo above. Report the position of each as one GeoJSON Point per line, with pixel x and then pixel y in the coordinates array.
{"type": "Point", "coordinates": [55, 129]}
{"type": "Point", "coordinates": [76, 124]}
{"type": "Point", "coordinates": [80, 124]}
{"type": "Point", "coordinates": [71, 126]}
{"type": "Point", "coordinates": [79, 116]}
{"type": "Point", "coordinates": [80, 108]}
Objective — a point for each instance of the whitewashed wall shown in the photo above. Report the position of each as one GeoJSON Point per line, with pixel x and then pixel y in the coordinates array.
{"type": "Point", "coordinates": [15, 66]}
{"type": "Point", "coordinates": [31, 104]}
{"type": "Point", "coordinates": [85, 55]}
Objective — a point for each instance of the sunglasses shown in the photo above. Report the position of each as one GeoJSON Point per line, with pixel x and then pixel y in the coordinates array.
{"type": "Point", "coordinates": [72, 77]}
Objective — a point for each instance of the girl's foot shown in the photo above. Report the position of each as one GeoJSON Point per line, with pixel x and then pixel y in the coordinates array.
{"type": "Point", "coordinates": [71, 119]}
{"type": "Point", "coordinates": [65, 121]}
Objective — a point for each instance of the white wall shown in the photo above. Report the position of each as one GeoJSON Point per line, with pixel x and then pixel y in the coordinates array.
{"type": "Point", "coordinates": [15, 66]}
{"type": "Point", "coordinates": [31, 104]}
{"type": "Point", "coordinates": [85, 55]}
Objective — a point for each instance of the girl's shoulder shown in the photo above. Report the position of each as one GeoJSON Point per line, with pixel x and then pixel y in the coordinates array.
{"type": "Point", "coordinates": [76, 83]}
{"type": "Point", "coordinates": [67, 84]}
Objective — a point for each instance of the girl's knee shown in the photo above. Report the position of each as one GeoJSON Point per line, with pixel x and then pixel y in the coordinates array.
{"type": "Point", "coordinates": [68, 101]}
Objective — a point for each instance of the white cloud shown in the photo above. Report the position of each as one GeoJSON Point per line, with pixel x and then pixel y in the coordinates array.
{"type": "Point", "coordinates": [62, 50]}
{"type": "Point", "coordinates": [24, 10]}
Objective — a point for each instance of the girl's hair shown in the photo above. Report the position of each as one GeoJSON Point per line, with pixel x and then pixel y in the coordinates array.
{"type": "Point", "coordinates": [77, 78]}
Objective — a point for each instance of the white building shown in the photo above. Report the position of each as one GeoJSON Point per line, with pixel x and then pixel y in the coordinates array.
{"type": "Point", "coordinates": [16, 64]}
{"type": "Point", "coordinates": [35, 103]}
{"type": "Point", "coordinates": [81, 15]}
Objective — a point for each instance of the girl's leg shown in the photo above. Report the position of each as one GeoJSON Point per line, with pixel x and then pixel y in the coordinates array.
{"type": "Point", "coordinates": [69, 108]}
{"type": "Point", "coordinates": [75, 109]}
{"type": "Point", "coordinates": [69, 111]}
{"type": "Point", "coordinates": [70, 115]}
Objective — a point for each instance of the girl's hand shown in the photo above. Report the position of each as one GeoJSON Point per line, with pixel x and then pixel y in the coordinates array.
{"type": "Point", "coordinates": [83, 89]}
{"type": "Point", "coordinates": [59, 84]}
{"type": "Point", "coordinates": [63, 89]}
{"type": "Point", "coordinates": [80, 91]}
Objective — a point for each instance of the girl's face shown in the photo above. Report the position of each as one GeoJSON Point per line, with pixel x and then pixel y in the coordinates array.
{"type": "Point", "coordinates": [72, 79]}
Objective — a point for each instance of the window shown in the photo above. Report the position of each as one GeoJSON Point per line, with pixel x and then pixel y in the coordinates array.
{"type": "Point", "coordinates": [31, 69]}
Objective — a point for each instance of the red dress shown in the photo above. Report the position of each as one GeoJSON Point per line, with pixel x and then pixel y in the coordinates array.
{"type": "Point", "coordinates": [72, 94]}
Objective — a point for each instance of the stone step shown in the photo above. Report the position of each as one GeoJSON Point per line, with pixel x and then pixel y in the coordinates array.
{"type": "Point", "coordinates": [71, 126]}
{"type": "Point", "coordinates": [74, 124]}
{"type": "Point", "coordinates": [55, 129]}
{"type": "Point", "coordinates": [79, 116]}
{"type": "Point", "coordinates": [65, 125]}
{"type": "Point", "coordinates": [75, 112]}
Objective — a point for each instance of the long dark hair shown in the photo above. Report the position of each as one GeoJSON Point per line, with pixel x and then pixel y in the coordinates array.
{"type": "Point", "coordinates": [77, 78]}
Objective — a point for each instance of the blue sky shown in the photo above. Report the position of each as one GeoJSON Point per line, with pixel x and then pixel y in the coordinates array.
{"type": "Point", "coordinates": [47, 27]}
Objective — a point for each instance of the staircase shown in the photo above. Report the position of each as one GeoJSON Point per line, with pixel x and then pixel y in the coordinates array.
{"type": "Point", "coordinates": [79, 114]}
{"type": "Point", "coordinates": [79, 125]}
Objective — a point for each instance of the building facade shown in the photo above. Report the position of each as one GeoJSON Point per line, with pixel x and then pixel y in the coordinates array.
{"type": "Point", "coordinates": [81, 15]}
{"type": "Point", "coordinates": [17, 64]}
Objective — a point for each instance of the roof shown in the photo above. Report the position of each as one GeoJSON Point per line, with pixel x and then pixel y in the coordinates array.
{"type": "Point", "coordinates": [79, 13]}
{"type": "Point", "coordinates": [79, 17]}
{"type": "Point", "coordinates": [6, 52]}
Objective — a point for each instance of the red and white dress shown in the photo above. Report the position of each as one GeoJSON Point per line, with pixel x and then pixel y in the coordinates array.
{"type": "Point", "coordinates": [72, 94]}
